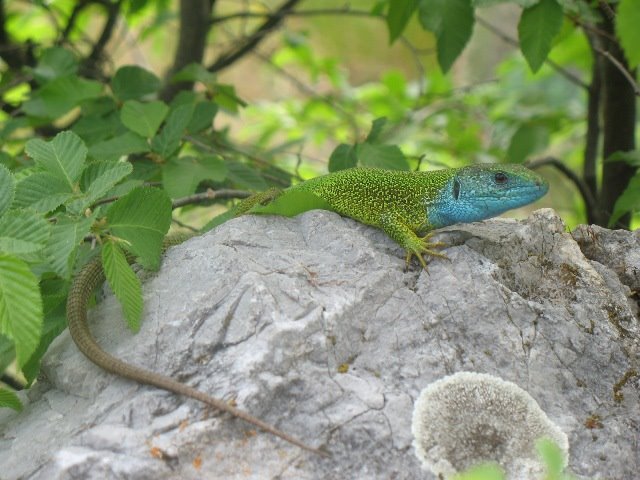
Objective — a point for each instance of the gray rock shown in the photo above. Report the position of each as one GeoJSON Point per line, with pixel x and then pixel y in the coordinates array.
{"type": "Point", "coordinates": [313, 325]}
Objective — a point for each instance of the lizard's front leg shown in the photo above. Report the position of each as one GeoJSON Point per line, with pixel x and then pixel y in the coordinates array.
{"type": "Point", "coordinates": [394, 226]}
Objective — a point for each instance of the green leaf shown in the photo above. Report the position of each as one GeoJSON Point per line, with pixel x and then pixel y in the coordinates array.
{"type": "Point", "coordinates": [629, 201]}
{"type": "Point", "coordinates": [632, 157]}
{"type": "Point", "coordinates": [381, 156]}
{"type": "Point", "coordinates": [488, 3]}
{"type": "Point", "coordinates": [195, 72]}
{"type": "Point", "coordinates": [538, 26]}
{"type": "Point", "coordinates": [10, 399]}
{"type": "Point", "coordinates": [132, 83]}
{"type": "Point", "coordinates": [142, 218]}
{"type": "Point", "coordinates": [116, 147]}
{"type": "Point", "coordinates": [527, 140]}
{"type": "Point", "coordinates": [42, 192]}
{"type": "Point", "coordinates": [20, 306]}
{"type": "Point", "coordinates": [54, 295]}
{"type": "Point", "coordinates": [22, 232]}
{"type": "Point", "coordinates": [343, 157]}
{"type": "Point", "coordinates": [203, 116]}
{"type": "Point", "coordinates": [59, 96]}
{"type": "Point", "coordinates": [225, 96]}
{"type": "Point", "coordinates": [143, 118]}
{"type": "Point", "coordinates": [400, 11]}
{"type": "Point", "coordinates": [452, 23]}
{"type": "Point", "coordinates": [376, 129]}
{"type": "Point", "coordinates": [63, 157]}
{"type": "Point", "coordinates": [291, 203]}
{"type": "Point", "coordinates": [168, 140]}
{"type": "Point", "coordinates": [63, 243]}
{"type": "Point", "coordinates": [627, 21]}
{"type": "Point", "coordinates": [245, 177]}
{"type": "Point", "coordinates": [99, 178]}
{"type": "Point", "coordinates": [181, 176]}
{"type": "Point", "coordinates": [124, 283]}
{"type": "Point", "coordinates": [7, 189]}
{"type": "Point", "coordinates": [53, 63]}
{"type": "Point", "coordinates": [552, 457]}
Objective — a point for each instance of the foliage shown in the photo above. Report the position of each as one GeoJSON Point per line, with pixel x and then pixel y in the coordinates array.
{"type": "Point", "coordinates": [92, 156]}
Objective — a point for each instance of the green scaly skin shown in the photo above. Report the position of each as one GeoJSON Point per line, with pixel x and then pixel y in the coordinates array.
{"type": "Point", "coordinates": [406, 205]}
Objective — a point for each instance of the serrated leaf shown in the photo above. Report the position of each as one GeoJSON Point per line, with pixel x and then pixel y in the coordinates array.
{"type": "Point", "coordinates": [54, 295]}
{"type": "Point", "coordinates": [143, 118]}
{"type": "Point", "coordinates": [527, 140]}
{"type": "Point", "coordinates": [537, 28]}
{"type": "Point", "coordinates": [124, 283]}
{"type": "Point", "coordinates": [181, 176]}
{"type": "Point", "coordinates": [62, 245]}
{"type": "Point", "coordinates": [629, 201]}
{"type": "Point", "coordinates": [20, 306]}
{"type": "Point", "coordinates": [63, 157]}
{"type": "Point", "coordinates": [168, 140]}
{"type": "Point", "coordinates": [59, 96]}
{"type": "Point", "coordinates": [627, 21]}
{"type": "Point", "coordinates": [376, 129]}
{"type": "Point", "coordinates": [7, 189]}
{"type": "Point", "coordinates": [381, 156]}
{"type": "Point", "coordinates": [22, 232]}
{"type": "Point", "coordinates": [291, 203]}
{"type": "Point", "coordinates": [10, 399]}
{"type": "Point", "coordinates": [41, 192]}
{"type": "Point", "coordinates": [142, 219]}
{"type": "Point", "coordinates": [400, 11]}
{"type": "Point", "coordinates": [53, 63]}
{"type": "Point", "coordinates": [452, 23]}
{"type": "Point", "coordinates": [343, 157]}
{"type": "Point", "coordinates": [100, 177]}
{"type": "Point", "coordinates": [132, 83]}
{"type": "Point", "coordinates": [116, 147]}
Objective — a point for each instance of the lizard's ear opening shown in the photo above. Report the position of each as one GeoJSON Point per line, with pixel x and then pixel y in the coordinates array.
{"type": "Point", "coordinates": [456, 188]}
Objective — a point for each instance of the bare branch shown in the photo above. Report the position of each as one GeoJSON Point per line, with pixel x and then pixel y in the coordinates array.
{"type": "Point", "coordinates": [194, 27]}
{"type": "Point", "coordinates": [298, 13]}
{"type": "Point", "coordinates": [627, 75]}
{"type": "Point", "coordinates": [249, 43]}
{"type": "Point", "coordinates": [208, 196]}
{"type": "Point", "coordinates": [582, 187]}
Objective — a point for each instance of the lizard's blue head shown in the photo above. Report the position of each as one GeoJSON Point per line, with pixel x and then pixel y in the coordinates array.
{"type": "Point", "coordinates": [478, 192]}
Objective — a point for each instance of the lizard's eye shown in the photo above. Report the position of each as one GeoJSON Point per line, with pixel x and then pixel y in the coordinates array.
{"type": "Point", "coordinates": [500, 178]}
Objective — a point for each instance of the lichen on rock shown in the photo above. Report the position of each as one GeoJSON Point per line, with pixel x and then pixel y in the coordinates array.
{"type": "Point", "coordinates": [469, 418]}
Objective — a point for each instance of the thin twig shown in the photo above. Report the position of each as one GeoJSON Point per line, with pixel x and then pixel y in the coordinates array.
{"type": "Point", "coordinates": [209, 195]}
{"type": "Point", "coordinates": [250, 42]}
{"type": "Point", "coordinates": [607, 9]}
{"type": "Point", "coordinates": [582, 187]}
{"type": "Point", "coordinates": [621, 68]}
{"type": "Point", "coordinates": [512, 41]}
{"type": "Point", "coordinates": [298, 13]}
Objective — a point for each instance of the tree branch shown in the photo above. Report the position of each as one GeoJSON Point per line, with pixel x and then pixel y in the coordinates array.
{"type": "Point", "coordinates": [91, 64]}
{"type": "Point", "coordinates": [194, 27]}
{"type": "Point", "coordinates": [249, 43]}
{"type": "Point", "coordinates": [298, 13]}
{"type": "Point", "coordinates": [587, 197]}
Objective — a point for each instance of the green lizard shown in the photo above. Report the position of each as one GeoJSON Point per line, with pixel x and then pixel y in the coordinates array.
{"type": "Point", "coordinates": [408, 206]}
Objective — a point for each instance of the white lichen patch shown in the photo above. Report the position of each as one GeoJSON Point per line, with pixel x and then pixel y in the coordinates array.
{"type": "Point", "coordinates": [469, 418]}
